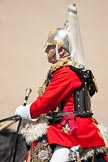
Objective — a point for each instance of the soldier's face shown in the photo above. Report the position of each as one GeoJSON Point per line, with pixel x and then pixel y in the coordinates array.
{"type": "Point", "coordinates": [51, 54]}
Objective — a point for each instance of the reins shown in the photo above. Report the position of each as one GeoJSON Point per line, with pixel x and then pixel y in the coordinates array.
{"type": "Point", "coordinates": [13, 152]}
{"type": "Point", "coordinates": [14, 117]}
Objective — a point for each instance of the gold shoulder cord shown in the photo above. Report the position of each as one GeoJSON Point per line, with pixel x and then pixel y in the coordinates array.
{"type": "Point", "coordinates": [42, 88]}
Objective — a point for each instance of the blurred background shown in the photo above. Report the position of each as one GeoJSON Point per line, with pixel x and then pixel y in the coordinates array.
{"type": "Point", "coordinates": [24, 25]}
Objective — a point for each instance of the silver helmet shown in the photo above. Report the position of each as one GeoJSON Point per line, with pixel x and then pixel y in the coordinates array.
{"type": "Point", "coordinates": [68, 37]}
{"type": "Point", "coordinates": [59, 38]}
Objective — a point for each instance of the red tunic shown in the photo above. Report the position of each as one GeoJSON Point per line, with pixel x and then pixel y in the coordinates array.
{"type": "Point", "coordinates": [83, 131]}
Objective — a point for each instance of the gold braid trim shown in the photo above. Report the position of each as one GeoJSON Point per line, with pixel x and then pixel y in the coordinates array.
{"type": "Point", "coordinates": [65, 62]}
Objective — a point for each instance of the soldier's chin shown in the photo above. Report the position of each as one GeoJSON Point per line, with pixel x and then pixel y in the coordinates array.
{"type": "Point", "coordinates": [52, 60]}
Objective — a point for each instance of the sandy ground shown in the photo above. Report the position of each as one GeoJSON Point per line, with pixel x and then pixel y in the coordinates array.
{"type": "Point", "coordinates": [24, 25]}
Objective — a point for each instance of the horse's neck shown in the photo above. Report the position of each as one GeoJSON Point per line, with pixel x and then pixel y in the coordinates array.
{"type": "Point", "coordinates": [7, 143]}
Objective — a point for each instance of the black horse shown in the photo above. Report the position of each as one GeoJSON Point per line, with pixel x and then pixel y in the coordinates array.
{"type": "Point", "coordinates": [13, 147]}
{"type": "Point", "coordinates": [11, 151]}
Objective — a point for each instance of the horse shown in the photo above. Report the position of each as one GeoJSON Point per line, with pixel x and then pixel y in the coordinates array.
{"type": "Point", "coordinates": [9, 150]}
{"type": "Point", "coordinates": [14, 146]}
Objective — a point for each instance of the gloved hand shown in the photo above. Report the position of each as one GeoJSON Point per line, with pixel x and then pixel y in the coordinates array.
{"type": "Point", "coordinates": [23, 111]}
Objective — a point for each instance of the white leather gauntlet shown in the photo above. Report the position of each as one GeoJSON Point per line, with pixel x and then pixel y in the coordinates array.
{"type": "Point", "coordinates": [23, 111]}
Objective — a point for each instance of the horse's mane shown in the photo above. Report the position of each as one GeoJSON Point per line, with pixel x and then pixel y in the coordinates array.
{"type": "Point", "coordinates": [6, 132]}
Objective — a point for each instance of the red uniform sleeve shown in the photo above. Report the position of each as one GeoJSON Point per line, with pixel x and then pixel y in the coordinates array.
{"type": "Point", "coordinates": [63, 81]}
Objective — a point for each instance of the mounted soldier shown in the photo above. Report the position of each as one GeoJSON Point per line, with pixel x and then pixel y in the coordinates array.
{"type": "Point", "coordinates": [64, 99]}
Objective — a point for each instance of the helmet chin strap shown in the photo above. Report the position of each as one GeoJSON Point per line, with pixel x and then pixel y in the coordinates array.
{"type": "Point", "coordinates": [57, 53]}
